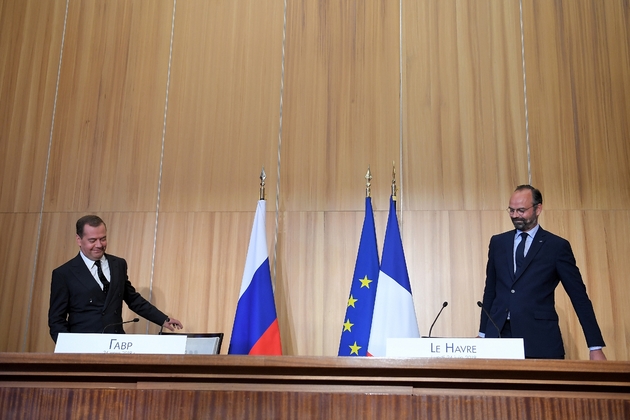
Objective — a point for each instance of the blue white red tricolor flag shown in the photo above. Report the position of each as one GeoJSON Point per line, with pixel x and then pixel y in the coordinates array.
{"type": "Point", "coordinates": [355, 333]}
{"type": "Point", "coordinates": [394, 313]}
{"type": "Point", "coordinates": [256, 330]}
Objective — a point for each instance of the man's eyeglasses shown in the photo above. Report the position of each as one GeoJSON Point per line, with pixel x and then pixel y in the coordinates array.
{"type": "Point", "coordinates": [520, 211]}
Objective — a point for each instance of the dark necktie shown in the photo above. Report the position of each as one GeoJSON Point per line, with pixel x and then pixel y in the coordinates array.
{"type": "Point", "coordinates": [102, 277]}
{"type": "Point", "coordinates": [520, 251]}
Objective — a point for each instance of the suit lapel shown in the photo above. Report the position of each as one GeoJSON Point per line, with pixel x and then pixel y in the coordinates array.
{"type": "Point", "coordinates": [82, 272]}
{"type": "Point", "coordinates": [537, 244]}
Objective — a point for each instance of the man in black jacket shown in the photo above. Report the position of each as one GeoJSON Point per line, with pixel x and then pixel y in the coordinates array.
{"type": "Point", "coordinates": [524, 268]}
{"type": "Point", "coordinates": [87, 292]}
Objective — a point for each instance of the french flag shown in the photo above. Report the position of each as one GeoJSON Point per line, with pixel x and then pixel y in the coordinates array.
{"type": "Point", "coordinates": [394, 313]}
{"type": "Point", "coordinates": [256, 328]}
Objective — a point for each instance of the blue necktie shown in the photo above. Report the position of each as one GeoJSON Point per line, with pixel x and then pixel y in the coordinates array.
{"type": "Point", "coordinates": [520, 251]}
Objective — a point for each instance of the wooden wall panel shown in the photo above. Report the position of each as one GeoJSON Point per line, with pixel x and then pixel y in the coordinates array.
{"type": "Point", "coordinates": [304, 299]}
{"type": "Point", "coordinates": [578, 81]}
{"type": "Point", "coordinates": [68, 403]}
{"type": "Point", "coordinates": [608, 281]}
{"type": "Point", "coordinates": [17, 253]}
{"type": "Point", "coordinates": [463, 107]}
{"type": "Point", "coordinates": [199, 267]}
{"type": "Point", "coordinates": [341, 104]}
{"type": "Point", "coordinates": [224, 105]}
{"type": "Point", "coordinates": [108, 131]}
{"type": "Point", "coordinates": [30, 38]}
{"type": "Point", "coordinates": [446, 256]}
{"type": "Point", "coordinates": [129, 235]}
{"type": "Point", "coordinates": [427, 244]}
{"type": "Point", "coordinates": [600, 249]}
{"type": "Point", "coordinates": [578, 58]}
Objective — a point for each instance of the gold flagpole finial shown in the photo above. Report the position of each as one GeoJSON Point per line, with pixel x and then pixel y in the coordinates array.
{"type": "Point", "coordinates": [394, 189]}
{"type": "Point", "coordinates": [368, 184]}
{"type": "Point", "coordinates": [263, 176]}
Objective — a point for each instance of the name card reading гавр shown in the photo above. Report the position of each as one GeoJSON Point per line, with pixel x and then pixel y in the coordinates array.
{"type": "Point", "coordinates": [470, 348]}
{"type": "Point", "coordinates": [120, 343]}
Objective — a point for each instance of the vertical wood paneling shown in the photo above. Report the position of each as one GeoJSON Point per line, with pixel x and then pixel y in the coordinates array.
{"type": "Point", "coordinates": [463, 109]}
{"type": "Point", "coordinates": [273, 405]}
{"type": "Point", "coordinates": [578, 57]}
{"type": "Point", "coordinates": [600, 249]}
{"type": "Point", "coordinates": [518, 407]}
{"type": "Point", "coordinates": [446, 256]}
{"type": "Point", "coordinates": [108, 130]}
{"type": "Point", "coordinates": [16, 274]}
{"type": "Point", "coordinates": [608, 281]}
{"type": "Point", "coordinates": [30, 39]}
{"type": "Point", "coordinates": [341, 103]}
{"type": "Point", "coordinates": [56, 403]}
{"type": "Point", "coordinates": [578, 89]}
{"type": "Point", "coordinates": [426, 240]}
{"type": "Point", "coordinates": [199, 267]}
{"type": "Point", "coordinates": [304, 297]}
{"type": "Point", "coordinates": [224, 104]}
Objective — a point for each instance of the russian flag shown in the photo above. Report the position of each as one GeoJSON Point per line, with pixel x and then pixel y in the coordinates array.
{"type": "Point", "coordinates": [394, 313]}
{"type": "Point", "coordinates": [256, 328]}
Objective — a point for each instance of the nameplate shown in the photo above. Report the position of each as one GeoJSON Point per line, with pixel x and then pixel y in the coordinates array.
{"type": "Point", "coordinates": [465, 348]}
{"type": "Point", "coordinates": [120, 343]}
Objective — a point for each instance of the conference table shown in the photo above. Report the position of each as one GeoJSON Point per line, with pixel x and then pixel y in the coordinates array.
{"type": "Point", "coordinates": [133, 386]}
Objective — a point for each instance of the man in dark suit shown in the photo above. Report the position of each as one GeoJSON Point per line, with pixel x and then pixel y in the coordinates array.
{"type": "Point", "coordinates": [87, 292]}
{"type": "Point", "coordinates": [524, 267]}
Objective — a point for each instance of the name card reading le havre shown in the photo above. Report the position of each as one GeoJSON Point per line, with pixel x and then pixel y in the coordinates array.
{"type": "Point", "coordinates": [472, 348]}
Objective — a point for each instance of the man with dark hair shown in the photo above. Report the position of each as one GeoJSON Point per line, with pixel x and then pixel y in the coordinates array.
{"type": "Point", "coordinates": [524, 268]}
{"type": "Point", "coordinates": [87, 292]}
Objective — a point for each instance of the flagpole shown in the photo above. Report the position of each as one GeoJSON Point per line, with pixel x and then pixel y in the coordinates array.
{"type": "Point", "coordinates": [394, 189]}
{"type": "Point", "coordinates": [263, 176]}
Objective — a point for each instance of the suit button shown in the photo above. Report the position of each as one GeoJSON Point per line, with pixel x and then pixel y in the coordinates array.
{"type": "Point", "coordinates": [512, 291]}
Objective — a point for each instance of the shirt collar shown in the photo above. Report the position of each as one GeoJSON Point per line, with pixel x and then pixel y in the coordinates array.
{"type": "Point", "coordinates": [88, 261]}
{"type": "Point", "coordinates": [530, 233]}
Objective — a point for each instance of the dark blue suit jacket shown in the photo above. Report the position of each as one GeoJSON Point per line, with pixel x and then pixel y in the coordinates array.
{"type": "Point", "coordinates": [528, 295]}
{"type": "Point", "coordinates": [78, 305]}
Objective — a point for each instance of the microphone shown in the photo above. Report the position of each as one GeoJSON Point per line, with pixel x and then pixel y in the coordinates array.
{"type": "Point", "coordinates": [489, 317]}
{"type": "Point", "coordinates": [444, 305]}
{"type": "Point", "coordinates": [119, 323]}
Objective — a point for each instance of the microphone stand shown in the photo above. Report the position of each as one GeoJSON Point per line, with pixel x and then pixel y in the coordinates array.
{"type": "Point", "coordinates": [119, 323]}
{"type": "Point", "coordinates": [489, 317]}
{"type": "Point", "coordinates": [444, 305]}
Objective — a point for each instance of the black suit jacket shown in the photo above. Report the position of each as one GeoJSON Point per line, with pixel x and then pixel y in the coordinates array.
{"type": "Point", "coordinates": [528, 295]}
{"type": "Point", "coordinates": [78, 305]}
